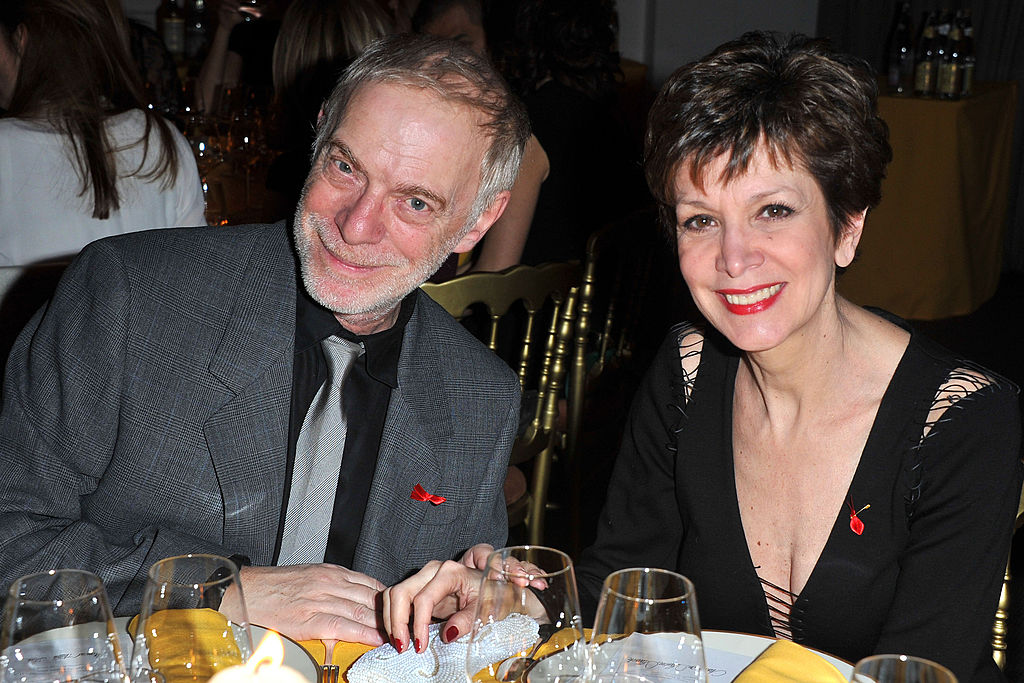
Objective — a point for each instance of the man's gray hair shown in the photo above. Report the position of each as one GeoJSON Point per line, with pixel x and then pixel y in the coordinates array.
{"type": "Point", "coordinates": [456, 74]}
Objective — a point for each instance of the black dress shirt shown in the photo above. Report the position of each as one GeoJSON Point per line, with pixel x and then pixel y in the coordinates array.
{"type": "Point", "coordinates": [365, 397]}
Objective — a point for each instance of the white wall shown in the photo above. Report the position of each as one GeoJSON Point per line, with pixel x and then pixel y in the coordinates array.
{"type": "Point", "coordinates": [665, 34]}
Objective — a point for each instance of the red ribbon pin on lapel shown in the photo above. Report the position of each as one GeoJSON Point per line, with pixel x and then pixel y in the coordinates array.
{"type": "Point", "coordinates": [419, 493]}
{"type": "Point", "coordinates": [856, 525]}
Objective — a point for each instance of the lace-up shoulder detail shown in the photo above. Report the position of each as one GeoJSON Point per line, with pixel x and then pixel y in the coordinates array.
{"type": "Point", "coordinates": [965, 383]}
{"type": "Point", "coordinates": [690, 341]}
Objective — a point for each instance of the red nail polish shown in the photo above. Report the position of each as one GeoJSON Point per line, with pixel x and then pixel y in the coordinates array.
{"type": "Point", "coordinates": [451, 634]}
{"type": "Point", "coordinates": [397, 644]}
{"type": "Point", "coordinates": [417, 643]}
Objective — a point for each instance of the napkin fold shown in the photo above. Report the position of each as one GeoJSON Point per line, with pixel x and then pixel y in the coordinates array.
{"type": "Point", "coordinates": [785, 661]}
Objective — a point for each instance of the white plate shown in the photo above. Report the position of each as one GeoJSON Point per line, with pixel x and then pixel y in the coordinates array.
{"type": "Point", "coordinates": [749, 647]}
{"type": "Point", "coordinates": [726, 655]}
{"type": "Point", "coordinates": [295, 655]}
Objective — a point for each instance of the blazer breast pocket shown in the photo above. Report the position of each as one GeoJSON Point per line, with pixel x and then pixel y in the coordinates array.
{"type": "Point", "coordinates": [433, 534]}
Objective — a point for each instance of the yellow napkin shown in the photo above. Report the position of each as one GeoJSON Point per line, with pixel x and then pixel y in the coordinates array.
{"type": "Point", "coordinates": [188, 645]}
{"type": "Point", "coordinates": [345, 654]}
{"type": "Point", "coordinates": [784, 661]}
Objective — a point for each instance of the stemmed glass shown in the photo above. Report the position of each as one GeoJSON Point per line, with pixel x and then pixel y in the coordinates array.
{"type": "Point", "coordinates": [58, 627]}
{"type": "Point", "coordinates": [647, 625]}
{"type": "Point", "coordinates": [251, 9]}
{"type": "Point", "coordinates": [181, 632]}
{"type": "Point", "coordinates": [900, 669]}
{"type": "Point", "coordinates": [527, 619]}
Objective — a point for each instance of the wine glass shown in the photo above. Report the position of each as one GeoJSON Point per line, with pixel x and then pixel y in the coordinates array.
{"type": "Point", "coordinates": [527, 619]}
{"type": "Point", "coordinates": [647, 625]}
{"type": "Point", "coordinates": [58, 627]}
{"type": "Point", "coordinates": [900, 669]}
{"type": "Point", "coordinates": [181, 634]}
{"type": "Point", "coordinates": [251, 9]}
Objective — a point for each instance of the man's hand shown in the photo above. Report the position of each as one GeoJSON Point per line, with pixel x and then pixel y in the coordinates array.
{"type": "Point", "coordinates": [476, 557]}
{"type": "Point", "coordinates": [308, 602]}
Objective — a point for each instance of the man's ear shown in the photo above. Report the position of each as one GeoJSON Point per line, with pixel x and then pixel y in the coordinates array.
{"type": "Point", "coordinates": [849, 238]}
{"type": "Point", "coordinates": [491, 214]}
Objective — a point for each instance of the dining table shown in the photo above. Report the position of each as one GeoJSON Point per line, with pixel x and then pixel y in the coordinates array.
{"type": "Point", "coordinates": [933, 247]}
{"type": "Point", "coordinates": [727, 653]}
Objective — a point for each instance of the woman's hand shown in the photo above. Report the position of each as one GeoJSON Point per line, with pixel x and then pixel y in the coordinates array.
{"type": "Point", "coordinates": [228, 15]}
{"type": "Point", "coordinates": [443, 590]}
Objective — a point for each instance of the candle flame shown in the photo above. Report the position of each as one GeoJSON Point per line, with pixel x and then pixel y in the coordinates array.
{"type": "Point", "coordinates": [269, 653]}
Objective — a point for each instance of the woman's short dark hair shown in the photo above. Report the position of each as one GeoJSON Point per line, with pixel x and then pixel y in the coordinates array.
{"type": "Point", "coordinates": [810, 106]}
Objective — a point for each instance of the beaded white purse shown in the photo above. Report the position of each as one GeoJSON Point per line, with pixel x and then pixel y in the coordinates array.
{"type": "Point", "coordinates": [444, 662]}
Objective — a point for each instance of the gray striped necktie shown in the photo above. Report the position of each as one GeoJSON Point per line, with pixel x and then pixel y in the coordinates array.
{"type": "Point", "coordinates": [318, 454]}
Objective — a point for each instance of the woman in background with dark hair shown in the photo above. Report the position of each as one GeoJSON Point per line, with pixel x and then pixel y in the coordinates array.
{"type": "Point", "coordinates": [80, 156]}
{"type": "Point", "coordinates": [563, 63]}
{"type": "Point", "coordinates": [502, 247]}
{"type": "Point", "coordinates": [820, 471]}
{"type": "Point", "coordinates": [318, 39]}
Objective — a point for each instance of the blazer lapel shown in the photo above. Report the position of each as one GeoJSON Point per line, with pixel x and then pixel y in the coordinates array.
{"type": "Point", "coordinates": [247, 436]}
{"type": "Point", "coordinates": [410, 454]}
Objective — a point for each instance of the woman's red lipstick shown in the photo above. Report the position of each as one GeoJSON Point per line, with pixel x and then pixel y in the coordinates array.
{"type": "Point", "coordinates": [751, 300]}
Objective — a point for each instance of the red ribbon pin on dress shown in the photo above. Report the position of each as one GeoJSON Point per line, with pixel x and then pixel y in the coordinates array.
{"type": "Point", "coordinates": [419, 493]}
{"type": "Point", "coordinates": [856, 525]}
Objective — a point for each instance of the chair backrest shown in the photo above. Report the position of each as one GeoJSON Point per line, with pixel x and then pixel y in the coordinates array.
{"type": "Point", "coordinates": [542, 330]}
{"type": "Point", "coordinates": [999, 625]}
{"type": "Point", "coordinates": [619, 307]}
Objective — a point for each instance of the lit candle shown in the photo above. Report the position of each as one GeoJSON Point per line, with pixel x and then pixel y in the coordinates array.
{"type": "Point", "coordinates": [265, 666]}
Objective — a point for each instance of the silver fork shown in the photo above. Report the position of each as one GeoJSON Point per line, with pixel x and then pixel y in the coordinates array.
{"type": "Point", "coordinates": [329, 673]}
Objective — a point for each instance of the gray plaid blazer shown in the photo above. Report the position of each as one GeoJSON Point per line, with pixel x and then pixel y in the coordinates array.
{"type": "Point", "coordinates": [146, 409]}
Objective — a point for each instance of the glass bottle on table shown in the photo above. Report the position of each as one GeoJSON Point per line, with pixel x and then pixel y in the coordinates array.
{"type": "Point", "coordinates": [197, 29]}
{"type": "Point", "coordinates": [950, 76]}
{"type": "Point", "coordinates": [170, 23]}
{"type": "Point", "coordinates": [924, 64]}
{"type": "Point", "coordinates": [966, 52]}
{"type": "Point", "coordinates": [900, 53]}
{"type": "Point", "coordinates": [942, 26]}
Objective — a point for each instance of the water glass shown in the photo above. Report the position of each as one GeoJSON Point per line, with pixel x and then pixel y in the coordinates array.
{"type": "Point", "coordinates": [58, 628]}
{"type": "Point", "coordinates": [528, 623]}
{"type": "Point", "coordinates": [900, 669]}
{"type": "Point", "coordinates": [181, 633]}
{"type": "Point", "coordinates": [647, 625]}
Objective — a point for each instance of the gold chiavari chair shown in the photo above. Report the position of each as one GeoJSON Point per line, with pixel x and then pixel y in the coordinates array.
{"type": "Point", "coordinates": [543, 340]}
{"type": "Point", "coordinates": [999, 626]}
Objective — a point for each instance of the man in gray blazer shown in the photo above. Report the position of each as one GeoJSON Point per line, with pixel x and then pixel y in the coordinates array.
{"type": "Point", "coordinates": [153, 408]}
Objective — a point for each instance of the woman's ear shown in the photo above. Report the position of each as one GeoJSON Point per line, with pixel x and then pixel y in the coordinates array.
{"type": "Point", "coordinates": [849, 238]}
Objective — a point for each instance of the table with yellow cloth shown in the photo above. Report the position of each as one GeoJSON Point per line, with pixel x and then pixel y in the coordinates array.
{"type": "Point", "coordinates": [933, 247]}
{"type": "Point", "coordinates": [783, 661]}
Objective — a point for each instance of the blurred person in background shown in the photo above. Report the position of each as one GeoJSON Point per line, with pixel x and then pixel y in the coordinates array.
{"type": "Point", "coordinates": [80, 156]}
{"type": "Point", "coordinates": [317, 41]}
{"type": "Point", "coordinates": [240, 53]}
{"type": "Point", "coordinates": [563, 63]}
{"type": "Point", "coordinates": [463, 22]}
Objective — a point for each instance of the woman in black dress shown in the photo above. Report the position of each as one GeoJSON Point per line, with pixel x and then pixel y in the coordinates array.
{"type": "Point", "coordinates": [817, 469]}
